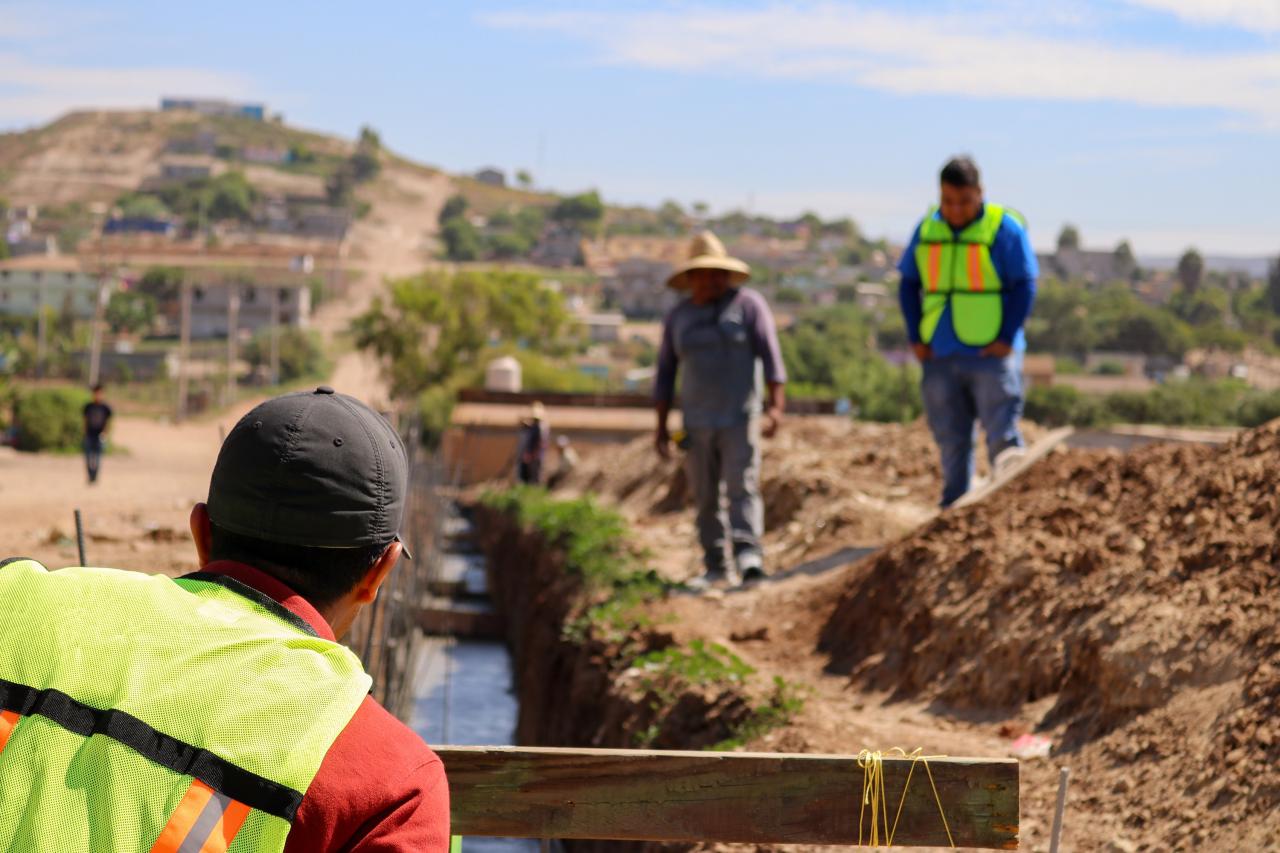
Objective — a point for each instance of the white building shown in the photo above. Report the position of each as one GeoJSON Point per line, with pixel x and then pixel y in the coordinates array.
{"type": "Point", "coordinates": [55, 283]}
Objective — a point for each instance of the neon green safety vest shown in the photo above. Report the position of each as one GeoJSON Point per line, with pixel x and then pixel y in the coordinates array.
{"type": "Point", "coordinates": [956, 270]}
{"type": "Point", "coordinates": [139, 713]}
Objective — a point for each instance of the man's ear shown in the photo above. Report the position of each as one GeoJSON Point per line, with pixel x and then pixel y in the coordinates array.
{"type": "Point", "coordinates": [201, 533]}
{"type": "Point", "coordinates": [367, 590]}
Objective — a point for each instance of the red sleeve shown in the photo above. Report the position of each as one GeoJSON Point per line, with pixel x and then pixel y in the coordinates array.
{"type": "Point", "coordinates": [380, 789]}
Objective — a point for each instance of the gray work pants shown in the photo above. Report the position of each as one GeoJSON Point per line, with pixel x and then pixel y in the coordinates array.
{"type": "Point", "coordinates": [725, 463]}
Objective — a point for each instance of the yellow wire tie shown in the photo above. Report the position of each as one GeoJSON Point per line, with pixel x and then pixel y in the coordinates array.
{"type": "Point", "coordinates": [874, 796]}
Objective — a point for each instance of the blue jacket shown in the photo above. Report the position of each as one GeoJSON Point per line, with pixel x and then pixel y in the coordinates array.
{"type": "Point", "coordinates": [1015, 263]}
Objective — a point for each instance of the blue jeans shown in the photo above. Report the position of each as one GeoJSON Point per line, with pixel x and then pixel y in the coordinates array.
{"type": "Point", "coordinates": [725, 464]}
{"type": "Point", "coordinates": [959, 390]}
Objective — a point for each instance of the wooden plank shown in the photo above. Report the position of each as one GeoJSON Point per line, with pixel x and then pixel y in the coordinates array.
{"type": "Point", "coordinates": [1034, 454]}
{"type": "Point", "coordinates": [762, 798]}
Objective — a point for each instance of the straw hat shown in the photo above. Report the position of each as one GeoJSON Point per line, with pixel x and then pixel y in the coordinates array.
{"type": "Point", "coordinates": [706, 252]}
{"type": "Point", "coordinates": [537, 411]}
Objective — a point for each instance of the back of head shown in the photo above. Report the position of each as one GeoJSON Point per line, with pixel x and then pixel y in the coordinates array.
{"type": "Point", "coordinates": [310, 488]}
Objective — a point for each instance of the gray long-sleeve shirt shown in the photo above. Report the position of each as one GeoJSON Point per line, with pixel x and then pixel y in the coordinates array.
{"type": "Point", "coordinates": [719, 345]}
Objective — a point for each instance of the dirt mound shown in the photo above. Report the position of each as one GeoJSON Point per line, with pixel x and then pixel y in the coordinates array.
{"type": "Point", "coordinates": [1132, 598]}
{"type": "Point", "coordinates": [827, 482]}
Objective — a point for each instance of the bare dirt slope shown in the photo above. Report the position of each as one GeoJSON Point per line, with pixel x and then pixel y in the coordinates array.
{"type": "Point", "coordinates": [1124, 606]}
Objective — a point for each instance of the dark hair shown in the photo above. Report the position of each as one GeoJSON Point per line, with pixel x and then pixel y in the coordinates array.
{"type": "Point", "coordinates": [320, 575]}
{"type": "Point", "coordinates": [961, 172]}
{"type": "Point", "coordinates": [97, 388]}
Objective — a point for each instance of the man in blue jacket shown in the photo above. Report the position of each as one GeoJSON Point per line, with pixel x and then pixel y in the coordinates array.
{"type": "Point", "coordinates": [968, 283]}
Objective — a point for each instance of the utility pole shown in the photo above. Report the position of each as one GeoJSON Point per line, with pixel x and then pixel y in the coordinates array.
{"type": "Point", "coordinates": [42, 330]}
{"type": "Point", "coordinates": [184, 346]}
{"type": "Point", "coordinates": [275, 294]}
{"type": "Point", "coordinates": [95, 347]}
{"type": "Point", "coordinates": [233, 320]}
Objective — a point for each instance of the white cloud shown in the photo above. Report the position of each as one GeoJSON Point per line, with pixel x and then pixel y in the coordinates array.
{"type": "Point", "coordinates": [970, 55]}
{"type": "Point", "coordinates": [33, 92]}
{"type": "Point", "coordinates": [1258, 16]}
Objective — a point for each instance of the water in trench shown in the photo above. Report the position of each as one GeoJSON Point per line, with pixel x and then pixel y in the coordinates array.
{"type": "Point", "coordinates": [464, 698]}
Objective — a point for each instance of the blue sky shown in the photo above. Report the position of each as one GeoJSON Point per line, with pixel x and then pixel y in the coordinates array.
{"type": "Point", "coordinates": [1156, 120]}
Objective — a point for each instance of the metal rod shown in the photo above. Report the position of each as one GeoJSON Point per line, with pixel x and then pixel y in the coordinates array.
{"type": "Point", "coordinates": [80, 537]}
{"type": "Point", "coordinates": [1057, 814]}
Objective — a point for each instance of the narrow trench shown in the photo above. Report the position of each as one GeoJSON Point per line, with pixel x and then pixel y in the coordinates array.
{"type": "Point", "coordinates": [463, 687]}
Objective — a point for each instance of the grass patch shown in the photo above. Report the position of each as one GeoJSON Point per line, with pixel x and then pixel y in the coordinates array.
{"type": "Point", "coordinates": [780, 707]}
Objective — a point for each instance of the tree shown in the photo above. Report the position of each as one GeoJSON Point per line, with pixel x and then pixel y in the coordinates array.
{"type": "Point", "coordinates": [701, 209]}
{"type": "Point", "coordinates": [671, 215]}
{"type": "Point", "coordinates": [433, 326]}
{"type": "Point", "coordinates": [1126, 264]}
{"type": "Point", "coordinates": [461, 239]}
{"type": "Point", "coordinates": [524, 179]}
{"type": "Point", "coordinates": [1190, 270]}
{"type": "Point", "coordinates": [455, 206]}
{"type": "Point", "coordinates": [4, 248]}
{"type": "Point", "coordinates": [1068, 237]}
{"type": "Point", "coordinates": [300, 351]}
{"type": "Point", "coordinates": [1273, 285]}
{"type": "Point", "coordinates": [584, 211]}
{"type": "Point", "coordinates": [369, 138]}
{"type": "Point", "coordinates": [130, 311]}
{"type": "Point", "coordinates": [161, 283]}
{"type": "Point", "coordinates": [142, 206]}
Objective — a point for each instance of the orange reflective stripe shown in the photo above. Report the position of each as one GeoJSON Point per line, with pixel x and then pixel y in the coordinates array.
{"type": "Point", "coordinates": [935, 266]}
{"type": "Point", "coordinates": [225, 831]}
{"type": "Point", "coordinates": [975, 267]}
{"type": "Point", "coordinates": [8, 721]}
{"type": "Point", "coordinates": [183, 818]}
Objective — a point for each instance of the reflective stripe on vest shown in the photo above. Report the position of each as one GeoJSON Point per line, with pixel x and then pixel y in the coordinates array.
{"type": "Point", "coordinates": [185, 716]}
{"type": "Point", "coordinates": [956, 271]}
{"type": "Point", "coordinates": [204, 822]}
{"type": "Point", "coordinates": [8, 722]}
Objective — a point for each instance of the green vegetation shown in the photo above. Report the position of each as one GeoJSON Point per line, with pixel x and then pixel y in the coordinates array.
{"type": "Point", "coordinates": [437, 331]}
{"type": "Point", "coordinates": [302, 355]}
{"type": "Point", "coordinates": [1194, 402]}
{"type": "Point", "coordinates": [362, 166]}
{"type": "Point", "coordinates": [831, 353]}
{"type": "Point", "coordinates": [228, 196]}
{"type": "Point", "coordinates": [510, 233]}
{"type": "Point", "coordinates": [615, 587]}
{"type": "Point", "coordinates": [583, 212]}
{"type": "Point", "coordinates": [130, 311]}
{"type": "Point", "coordinates": [49, 419]}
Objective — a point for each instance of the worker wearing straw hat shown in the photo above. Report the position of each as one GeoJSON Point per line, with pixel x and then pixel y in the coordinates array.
{"type": "Point", "coordinates": [534, 435]}
{"type": "Point", "coordinates": [720, 336]}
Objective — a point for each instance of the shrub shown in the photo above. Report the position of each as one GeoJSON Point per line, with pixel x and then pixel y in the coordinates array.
{"type": "Point", "coordinates": [50, 419]}
{"type": "Point", "coordinates": [301, 354]}
{"type": "Point", "coordinates": [1062, 405]}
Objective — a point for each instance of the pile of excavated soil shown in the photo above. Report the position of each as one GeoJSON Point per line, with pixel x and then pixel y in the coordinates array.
{"type": "Point", "coordinates": [827, 483]}
{"type": "Point", "coordinates": [1129, 606]}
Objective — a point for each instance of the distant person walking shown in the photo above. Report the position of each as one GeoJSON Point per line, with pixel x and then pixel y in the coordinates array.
{"type": "Point", "coordinates": [968, 283]}
{"type": "Point", "coordinates": [720, 333]}
{"type": "Point", "coordinates": [533, 442]}
{"type": "Point", "coordinates": [97, 416]}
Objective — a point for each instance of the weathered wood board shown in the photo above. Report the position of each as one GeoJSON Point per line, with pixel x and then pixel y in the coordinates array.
{"type": "Point", "coordinates": [759, 798]}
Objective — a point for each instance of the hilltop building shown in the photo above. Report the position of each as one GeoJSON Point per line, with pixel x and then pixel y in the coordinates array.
{"type": "Point", "coordinates": [216, 107]}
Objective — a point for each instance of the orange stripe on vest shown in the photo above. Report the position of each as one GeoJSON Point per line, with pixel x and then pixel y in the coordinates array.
{"type": "Point", "coordinates": [935, 266]}
{"type": "Point", "coordinates": [975, 267]}
{"type": "Point", "coordinates": [8, 721]}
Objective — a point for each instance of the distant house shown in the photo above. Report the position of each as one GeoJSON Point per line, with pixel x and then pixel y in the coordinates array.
{"type": "Point", "coordinates": [492, 176]}
{"type": "Point", "coordinates": [604, 328]}
{"type": "Point", "coordinates": [185, 168]}
{"type": "Point", "coordinates": [638, 288]}
{"type": "Point", "coordinates": [139, 225]}
{"type": "Point", "coordinates": [557, 247]}
{"type": "Point", "coordinates": [216, 107]}
{"type": "Point", "coordinates": [209, 308]}
{"type": "Point", "coordinates": [203, 142]}
{"type": "Point", "coordinates": [270, 155]}
{"type": "Point", "coordinates": [58, 283]}
{"type": "Point", "coordinates": [1091, 267]}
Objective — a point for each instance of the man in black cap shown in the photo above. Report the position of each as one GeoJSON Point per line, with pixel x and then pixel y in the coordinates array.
{"type": "Point", "coordinates": [301, 528]}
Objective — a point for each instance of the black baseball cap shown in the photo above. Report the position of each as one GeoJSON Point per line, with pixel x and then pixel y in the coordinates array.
{"type": "Point", "coordinates": [313, 468]}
